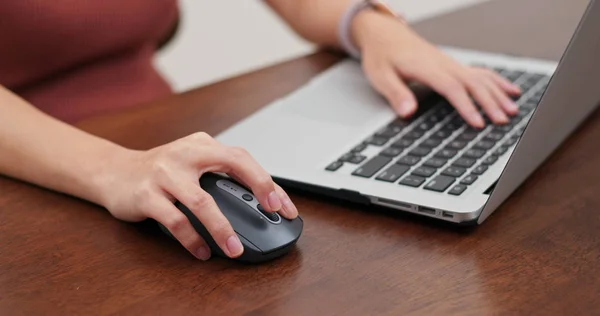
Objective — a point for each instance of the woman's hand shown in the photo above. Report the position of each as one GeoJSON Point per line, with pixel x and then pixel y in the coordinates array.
{"type": "Point", "coordinates": [144, 184]}
{"type": "Point", "coordinates": [393, 54]}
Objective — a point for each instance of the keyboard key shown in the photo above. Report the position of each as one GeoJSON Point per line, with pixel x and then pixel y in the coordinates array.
{"type": "Point", "coordinates": [442, 134]}
{"type": "Point", "coordinates": [494, 136]}
{"type": "Point", "coordinates": [391, 152]}
{"type": "Point", "coordinates": [389, 132]}
{"type": "Point", "coordinates": [455, 123]}
{"type": "Point", "coordinates": [414, 134]}
{"type": "Point", "coordinates": [446, 153]}
{"type": "Point", "coordinates": [409, 160]}
{"type": "Point", "coordinates": [484, 144]}
{"type": "Point", "coordinates": [452, 126]}
{"type": "Point", "coordinates": [347, 157]}
{"type": "Point", "coordinates": [440, 183]}
{"type": "Point", "coordinates": [334, 166]}
{"type": "Point", "coordinates": [500, 151]}
{"type": "Point", "coordinates": [503, 128]}
{"type": "Point", "coordinates": [474, 153]}
{"type": "Point", "coordinates": [435, 118]}
{"type": "Point", "coordinates": [372, 166]}
{"type": "Point", "coordinates": [356, 159]}
{"type": "Point", "coordinates": [352, 158]}
{"type": "Point", "coordinates": [479, 170]}
{"type": "Point", "coordinates": [512, 75]}
{"type": "Point", "coordinates": [393, 173]}
{"type": "Point", "coordinates": [529, 105]}
{"type": "Point", "coordinates": [511, 141]}
{"type": "Point", "coordinates": [400, 123]}
{"type": "Point", "coordinates": [425, 126]}
{"type": "Point", "coordinates": [468, 180]}
{"type": "Point", "coordinates": [420, 151]}
{"type": "Point", "coordinates": [526, 86]}
{"type": "Point", "coordinates": [431, 142]}
{"type": "Point", "coordinates": [467, 136]}
{"type": "Point", "coordinates": [454, 171]}
{"type": "Point", "coordinates": [424, 172]}
{"type": "Point", "coordinates": [490, 160]}
{"type": "Point", "coordinates": [435, 162]}
{"type": "Point", "coordinates": [413, 181]}
{"type": "Point", "coordinates": [359, 148]}
{"type": "Point", "coordinates": [464, 162]}
{"type": "Point", "coordinates": [377, 141]}
{"type": "Point", "coordinates": [457, 189]}
{"type": "Point", "coordinates": [457, 144]}
{"type": "Point", "coordinates": [403, 143]}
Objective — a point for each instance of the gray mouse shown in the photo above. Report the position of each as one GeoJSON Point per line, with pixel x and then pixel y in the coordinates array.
{"type": "Point", "coordinates": [264, 235]}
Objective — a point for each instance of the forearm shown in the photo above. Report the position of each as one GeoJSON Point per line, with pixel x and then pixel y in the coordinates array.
{"type": "Point", "coordinates": [39, 149]}
{"type": "Point", "coordinates": [315, 20]}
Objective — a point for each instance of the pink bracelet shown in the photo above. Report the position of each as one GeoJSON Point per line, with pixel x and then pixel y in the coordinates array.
{"type": "Point", "coordinates": [345, 24]}
{"type": "Point", "coordinates": [344, 27]}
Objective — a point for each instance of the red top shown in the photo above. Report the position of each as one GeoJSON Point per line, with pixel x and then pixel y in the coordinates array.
{"type": "Point", "coordinates": [77, 58]}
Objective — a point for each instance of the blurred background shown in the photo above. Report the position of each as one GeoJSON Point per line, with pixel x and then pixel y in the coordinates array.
{"type": "Point", "coordinates": [221, 39]}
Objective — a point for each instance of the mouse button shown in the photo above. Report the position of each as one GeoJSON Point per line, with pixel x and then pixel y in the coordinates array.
{"type": "Point", "coordinates": [239, 213]}
{"type": "Point", "coordinates": [275, 236]}
{"type": "Point", "coordinates": [248, 245]}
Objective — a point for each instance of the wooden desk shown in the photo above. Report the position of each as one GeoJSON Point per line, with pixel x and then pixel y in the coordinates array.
{"type": "Point", "coordinates": [537, 255]}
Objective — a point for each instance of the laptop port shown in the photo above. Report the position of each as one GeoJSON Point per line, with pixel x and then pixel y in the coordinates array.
{"type": "Point", "coordinates": [447, 214]}
{"type": "Point", "coordinates": [427, 210]}
{"type": "Point", "coordinates": [396, 204]}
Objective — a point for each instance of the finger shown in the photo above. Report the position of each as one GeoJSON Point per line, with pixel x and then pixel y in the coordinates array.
{"type": "Point", "coordinates": [506, 85]}
{"type": "Point", "coordinates": [483, 96]}
{"type": "Point", "coordinates": [234, 160]}
{"type": "Point", "coordinates": [387, 82]}
{"type": "Point", "coordinates": [180, 227]}
{"type": "Point", "coordinates": [455, 92]}
{"type": "Point", "coordinates": [508, 105]}
{"type": "Point", "coordinates": [288, 210]}
{"type": "Point", "coordinates": [205, 209]}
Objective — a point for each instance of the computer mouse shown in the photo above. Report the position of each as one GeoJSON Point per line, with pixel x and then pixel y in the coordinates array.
{"type": "Point", "coordinates": [264, 235]}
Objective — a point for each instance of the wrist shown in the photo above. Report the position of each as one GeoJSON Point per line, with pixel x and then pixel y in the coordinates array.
{"type": "Point", "coordinates": [361, 28]}
{"type": "Point", "coordinates": [364, 19]}
{"type": "Point", "coordinates": [105, 177]}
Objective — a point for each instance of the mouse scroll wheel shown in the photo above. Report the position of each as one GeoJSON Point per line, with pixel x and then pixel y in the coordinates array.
{"type": "Point", "coordinates": [271, 216]}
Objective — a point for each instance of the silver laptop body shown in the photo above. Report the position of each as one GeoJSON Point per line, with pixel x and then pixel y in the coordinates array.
{"type": "Point", "coordinates": [313, 138]}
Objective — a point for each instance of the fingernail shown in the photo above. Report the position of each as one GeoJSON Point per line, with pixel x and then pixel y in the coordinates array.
{"type": "Point", "coordinates": [203, 253]}
{"type": "Point", "coordinates": [477, 119]}
{"type": "Point", "coordinates": [406, 108]}
{"type": "Point", "coordinates": [288, 206]}
{"type": "Point", "coordinates": [511, 106]}
{"type": "Point", "coordinates": [501, 116]}
{"type": "Point", "coordinates": [274, 201]}
{"type": "Point", "coordinates": [234, 246]}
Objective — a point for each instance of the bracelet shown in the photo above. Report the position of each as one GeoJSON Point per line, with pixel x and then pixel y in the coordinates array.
{"type": "Point", "coordinates": [344, 27]}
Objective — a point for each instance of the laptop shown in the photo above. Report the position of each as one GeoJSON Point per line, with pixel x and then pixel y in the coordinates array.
{"type": "Point", "coordinates": [337, 136]}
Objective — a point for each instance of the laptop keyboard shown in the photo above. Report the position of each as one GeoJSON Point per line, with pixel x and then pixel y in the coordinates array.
{"type": "Point", "coordinates": [436, 150]}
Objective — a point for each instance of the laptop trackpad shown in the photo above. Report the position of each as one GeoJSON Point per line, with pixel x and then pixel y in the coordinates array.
{"type": "Point", "coordinates": [341, 96]}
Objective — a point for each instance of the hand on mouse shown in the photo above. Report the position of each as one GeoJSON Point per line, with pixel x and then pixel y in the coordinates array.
{"type": "Point", "coordinates": [144, 184]}
{"type": "Point", "coordinates": [393, 54]}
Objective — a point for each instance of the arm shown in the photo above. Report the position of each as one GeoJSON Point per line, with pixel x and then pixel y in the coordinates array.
{"type": "Point", "coordinates": [44, 151]}
{"type": "Point", "coordinates": [132, 185]}
{"type": "Point", "coordinates": [393, 54]}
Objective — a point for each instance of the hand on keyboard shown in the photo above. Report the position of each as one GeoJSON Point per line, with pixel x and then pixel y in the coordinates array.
{"type": "Point", "coordinates": [393, 54]}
